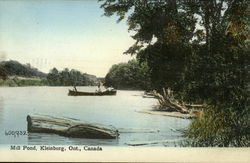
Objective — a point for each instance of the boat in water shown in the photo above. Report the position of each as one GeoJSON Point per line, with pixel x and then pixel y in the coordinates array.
{"type": "Point", "coordinates": [97, 93]}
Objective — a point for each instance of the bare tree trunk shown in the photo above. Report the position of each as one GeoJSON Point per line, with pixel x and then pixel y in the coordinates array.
{"type": "Point", "coordinates": [169, 103]}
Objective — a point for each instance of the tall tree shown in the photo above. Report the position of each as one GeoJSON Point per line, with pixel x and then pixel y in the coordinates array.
{"type": "Point", "coordinates": [54, 77]}
{"type": "Point", "coordinates": [200, 49]}
{"type": "Point", "coordinates": [163, 30]}
{"type": "Point", "coordinates": [220, 76]}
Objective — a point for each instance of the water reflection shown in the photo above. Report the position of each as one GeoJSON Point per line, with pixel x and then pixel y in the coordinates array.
{"type": "Point", "coordinates": [53, 139]}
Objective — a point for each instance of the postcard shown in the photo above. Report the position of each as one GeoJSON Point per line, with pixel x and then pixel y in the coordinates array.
{"type": "Point", "coordinates": [124, 80]}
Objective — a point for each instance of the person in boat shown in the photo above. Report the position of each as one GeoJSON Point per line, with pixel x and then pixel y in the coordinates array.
{"type": "Point", "coordinates": [75, 88]}
{"type": "Point", "coordinates": [99, 88]}
{"type": "Point", "coordinates": [110, 88]}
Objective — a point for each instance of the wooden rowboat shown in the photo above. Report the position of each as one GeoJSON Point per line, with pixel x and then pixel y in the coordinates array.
{"type": "Point", "coordinates": [104, 93]}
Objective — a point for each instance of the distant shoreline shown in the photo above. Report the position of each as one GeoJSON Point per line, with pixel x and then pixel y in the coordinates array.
{"type": "Point", "coordinates": [18, 81]}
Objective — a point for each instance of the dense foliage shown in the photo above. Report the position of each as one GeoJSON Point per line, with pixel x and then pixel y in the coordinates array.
{"type": "Point", "coordinates": [12, 68]}
{"type": "Point", "coordinates": [201, 50]}
{"type": "Point", "coordinates": [128, 76]}
{"type": "Point", "coordinates": [70, 78]}
{"type": "Point", "coordinates": [162, 35]}
{"type": "Point", "coordinates": [3, 73]}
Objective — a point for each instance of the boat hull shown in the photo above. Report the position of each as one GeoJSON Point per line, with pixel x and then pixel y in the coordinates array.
{"type": "Point", "coordinates": [105, 93]}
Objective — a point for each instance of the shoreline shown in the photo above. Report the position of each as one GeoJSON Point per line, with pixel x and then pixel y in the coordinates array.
{"type": "Point", "coordinates": [22, 81]}
{"type": "Point", "coordinates": [169, 114]}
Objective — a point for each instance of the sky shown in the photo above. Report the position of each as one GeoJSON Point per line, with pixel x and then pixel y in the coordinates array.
{"type": "Point", "coordinates": [62, 33]}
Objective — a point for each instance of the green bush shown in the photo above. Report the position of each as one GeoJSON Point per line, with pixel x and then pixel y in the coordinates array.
{"type": "Point", "coordinates": [216, 127]}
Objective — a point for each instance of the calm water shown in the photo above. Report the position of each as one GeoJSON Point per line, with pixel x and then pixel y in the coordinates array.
{"type": "Point", "coordinates": [119, 111]}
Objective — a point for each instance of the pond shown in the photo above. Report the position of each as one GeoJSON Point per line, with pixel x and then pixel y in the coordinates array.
{"type": "Point", "coordinates": [119, 111]}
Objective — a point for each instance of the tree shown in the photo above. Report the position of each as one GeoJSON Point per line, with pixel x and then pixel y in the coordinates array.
{"type": "Point", "coordinates": [68, 77]}
{"type": "Point", "coordinates": [54, 77]}
{"type": "Point", "coordinates": [15, 68]}
{"type": "Point", "coordinates": [131, 75]}
{"type": "Point", "coordinates": [3, 74]}
{"type": "Point", "coordinates": [163, 30]}
{"type": "Point", "coordinates": [199, 49]}
{"type": "Point", "coordinates": [220, 73]}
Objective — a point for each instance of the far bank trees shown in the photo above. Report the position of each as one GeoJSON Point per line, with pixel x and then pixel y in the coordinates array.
{"type": "Point", "coordinates": [131, 75]}
{"type": "Point", "coordinates": [68, 77]}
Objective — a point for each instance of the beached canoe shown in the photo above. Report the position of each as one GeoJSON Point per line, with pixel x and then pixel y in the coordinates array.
{"type": "Point", "coordinates": [104, 93]}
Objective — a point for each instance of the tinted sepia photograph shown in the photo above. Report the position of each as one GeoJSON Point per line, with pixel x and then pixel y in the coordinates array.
{"type": "Point", "coordinates": [88, 75]}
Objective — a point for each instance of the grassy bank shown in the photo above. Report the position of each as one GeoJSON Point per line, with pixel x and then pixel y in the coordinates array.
{"type": "Point", "coordinates": [22, 81]}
